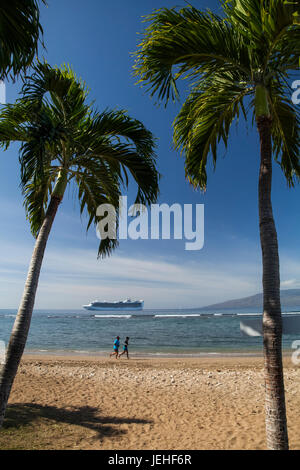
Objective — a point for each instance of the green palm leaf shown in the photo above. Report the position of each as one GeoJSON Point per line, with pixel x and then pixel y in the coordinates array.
{"type": "Point", "coordinates": [65, 141]}
{"type": "Point", "coordinates": [256, 44]}
{"type": "Point", "coordinates": [286, 138]}
{"type": "Point", "coordinates": [20, 29]}
{"type": "Point", "coordinates": [204, 120]}
{"type": "Point", "coordinates": [187, 42]}
{"type": "Point", "coordinates": [36, 195]}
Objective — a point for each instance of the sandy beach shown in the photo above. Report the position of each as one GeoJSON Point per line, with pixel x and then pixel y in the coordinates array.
{"type": "Point", "coordinates": [101, 403]}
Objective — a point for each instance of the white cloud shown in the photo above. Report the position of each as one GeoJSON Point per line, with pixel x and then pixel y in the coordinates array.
{"type": "Point", "coordinates": [290, 284]}
{"type": "Point", "coordinates": [73, 277]}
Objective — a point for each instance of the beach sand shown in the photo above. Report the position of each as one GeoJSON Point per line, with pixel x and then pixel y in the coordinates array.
{"type": "Point", "coordinates": [101, 403]}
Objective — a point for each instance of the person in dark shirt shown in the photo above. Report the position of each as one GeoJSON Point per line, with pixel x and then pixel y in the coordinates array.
{"type": "Point", "coordinates": [125, 347]}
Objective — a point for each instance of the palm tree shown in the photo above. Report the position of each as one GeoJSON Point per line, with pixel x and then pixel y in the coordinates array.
{"type": "Point", "coordinates": [245, 55]}
{"type": "Point", "coordinates": [20, 29]}
{"type": "Point", "coordinates": [63, 141]}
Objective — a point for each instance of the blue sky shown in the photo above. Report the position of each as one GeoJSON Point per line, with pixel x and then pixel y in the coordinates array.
{"type": "Point", "coordinates": [97, 39]}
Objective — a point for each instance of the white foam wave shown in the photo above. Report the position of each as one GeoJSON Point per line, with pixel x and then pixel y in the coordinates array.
{"type": "Point", "coordinates": [112, 316]}
{"type": "Point", "coordinates": [248, 314]}
{"type": "Point", "coordinates": [178, 316]}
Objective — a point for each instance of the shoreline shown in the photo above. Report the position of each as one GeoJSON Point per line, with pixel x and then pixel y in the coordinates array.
{"type": "Point", "coordinates": [143, 355]}
{"type": "Point", "coordinates": [255, 362]}
{"type": "Point", "coordinates": [105, 354]}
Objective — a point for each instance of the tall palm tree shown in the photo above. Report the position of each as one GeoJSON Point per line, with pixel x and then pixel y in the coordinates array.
{"type": "Point", "coordinates": [246, 54]}
{"type": "Point", "coordinates": [20, 30]}
{"type": "Point", "coordinates": [64, 141]}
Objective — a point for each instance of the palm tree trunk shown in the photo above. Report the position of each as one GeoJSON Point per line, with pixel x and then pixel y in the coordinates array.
{"type": "Point", "coordinates": [276, 425]}
{"type": "Point", "coordinates": [21, 326]}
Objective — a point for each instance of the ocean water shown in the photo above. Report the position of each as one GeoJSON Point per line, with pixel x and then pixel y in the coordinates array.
{"type": "Point", "coordinates": [151, 332]}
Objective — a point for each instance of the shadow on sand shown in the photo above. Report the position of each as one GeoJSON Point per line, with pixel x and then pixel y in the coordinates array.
{"type": "Point", "coordinates": [23, 414]}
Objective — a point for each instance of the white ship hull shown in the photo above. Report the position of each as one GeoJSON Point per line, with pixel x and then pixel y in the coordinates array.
{"type": "Point", "coordinates": [126, 305]}
{"type": "Point", "coordinates": [114, 309]}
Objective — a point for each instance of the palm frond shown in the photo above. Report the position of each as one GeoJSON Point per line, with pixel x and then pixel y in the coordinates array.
{"type": "Point", "coordinates": [13, 121]}
{"type": "Point", "coordinates": [266, 26]}
{"type": "Point", "coordinates": [118, 124]}
{"type": "Point", "coordinates": [43, 139]}
{"type": "Point", "coordinates": [122, 159]}
{"type": "Point", "coordinates": [20, 29]}
{"type": "Point", "coordinates": [286, 137]}
{"type": "Point", "coordinates": [262, 21]}
{"type": "Point", "coordinates": [284, 56]}
{"type": "Point", "coordinates": [63, 139]}
{"type": "Point", "coordinates": [67, 91]}
{"type": "Point", "coordinates": [193, 41]}
{"type": "Point", "coordinates": [91, 195]}
{"type": "Point", "coordinates": [36, 194]}
{"type": "Point", "coordinates": [125, 145]}
{"type": "Point", "coordinates": [256, 44]}
{"type": "Point", "coordinates": [204, 120]}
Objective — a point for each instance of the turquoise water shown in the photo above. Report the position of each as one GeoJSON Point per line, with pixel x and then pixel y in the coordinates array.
{"type": "Point", "coordinates": [151, 332]}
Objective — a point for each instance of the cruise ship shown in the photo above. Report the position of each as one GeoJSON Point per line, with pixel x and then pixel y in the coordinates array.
{"type": "Point", "coordinates": [127, 304]}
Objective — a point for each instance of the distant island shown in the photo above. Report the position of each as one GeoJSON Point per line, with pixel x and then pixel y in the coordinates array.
{"type": "Point", "coordinates": [290, 298]}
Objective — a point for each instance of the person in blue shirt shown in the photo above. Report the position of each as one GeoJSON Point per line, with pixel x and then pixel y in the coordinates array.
{"type": "Point", "coordinates": [116, 347]}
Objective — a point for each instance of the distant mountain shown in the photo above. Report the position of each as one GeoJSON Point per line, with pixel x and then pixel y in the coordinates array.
{"type": "Point", "coordinates": [290, 298]}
